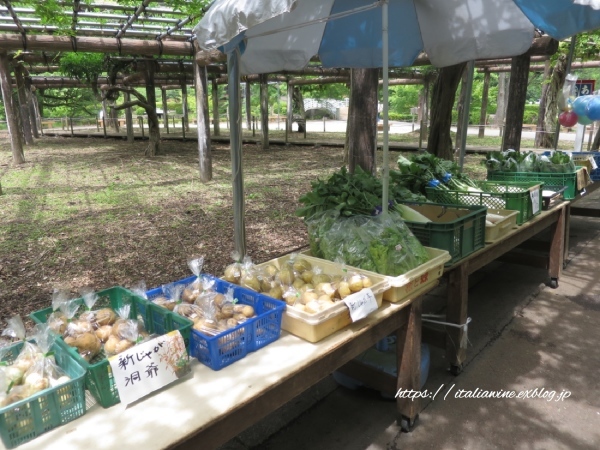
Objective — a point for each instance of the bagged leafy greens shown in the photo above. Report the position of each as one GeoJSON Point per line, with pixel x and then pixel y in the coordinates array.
{"type": "Point", "coordinates": [382, 244]}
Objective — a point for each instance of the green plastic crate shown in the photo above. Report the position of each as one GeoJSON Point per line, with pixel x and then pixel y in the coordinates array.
{"type": "Point", "coordinates": [25, 420]}
{"type": "Point", "coordinates": [458, 229]}
{"type": "Point", "coordinates": [99, 379]}
{"type": "Point", "coordinates": [552, 181]}
{"type": "Point", "coordinates": [495, 195]}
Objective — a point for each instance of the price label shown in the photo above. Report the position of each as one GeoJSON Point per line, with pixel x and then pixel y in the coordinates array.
{"type": "Point", "coordinates": [535, 200]}
{"type": "Point", "coordinates": [361, 304]}
{"type": "Point", "coordinates": [149, 366]}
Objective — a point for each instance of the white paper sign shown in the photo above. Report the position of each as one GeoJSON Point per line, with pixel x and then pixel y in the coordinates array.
{"type": "Point", "coordinates": [593, 161]}
{"type": "Point", "coordinates": [361, 304]}
{"type": "Point", "coordinates": [535, 200]}
{"type": "Point", "coordinates": [146, 367]}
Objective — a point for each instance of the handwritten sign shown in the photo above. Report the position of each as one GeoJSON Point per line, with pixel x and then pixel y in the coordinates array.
{"type": "Point", "coordinates": [535, 200]}
{"type": "Point", "coordinates": [361, 304]}
{"type": "Point", "coordinates": [148, 366]}
{"type": "Point", "coordinates": [584, 87]}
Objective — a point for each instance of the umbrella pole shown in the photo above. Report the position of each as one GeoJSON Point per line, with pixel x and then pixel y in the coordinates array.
{"type": "Point", "coordinates": [385, 89]}
{"type": "Point", "coordinates": [235, 132]}
{"type": "Point", "coordinates": [466, 113]}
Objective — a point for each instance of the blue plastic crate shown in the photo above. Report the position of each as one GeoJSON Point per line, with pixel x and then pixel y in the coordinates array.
{"type": "Point", "coordinates": [231, 345]}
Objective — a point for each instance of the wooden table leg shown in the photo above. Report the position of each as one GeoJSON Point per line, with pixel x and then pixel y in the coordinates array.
{"type": "Point", "coordinates": [557, 248]}
{"type": "Point", "coordinates": [456, 312]}
{"type": "Point", "coordinates": [567, 231]}
{"type": "Point", "coordinates": [408, 355]}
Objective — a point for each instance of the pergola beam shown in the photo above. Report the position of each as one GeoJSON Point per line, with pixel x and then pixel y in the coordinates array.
{"type": "Point", "coordinates": [96, 45]}
{"type": "Point", "coordinates": [132, 19]}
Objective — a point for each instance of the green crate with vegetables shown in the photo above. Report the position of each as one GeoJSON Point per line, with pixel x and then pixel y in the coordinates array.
{"type": "Point", "coordinates": [458, 229]}
{"type": "Point", "coordinates": [523, 197]}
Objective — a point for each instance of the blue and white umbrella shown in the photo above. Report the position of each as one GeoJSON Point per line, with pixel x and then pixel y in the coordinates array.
{"type": "Point", "coordinates": [265, 36]}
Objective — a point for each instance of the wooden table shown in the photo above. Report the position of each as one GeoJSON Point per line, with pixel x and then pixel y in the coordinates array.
{"type": "Point", "coordinates": [214, 406]}
{"type": "Point", "coordinates": [556, 219]}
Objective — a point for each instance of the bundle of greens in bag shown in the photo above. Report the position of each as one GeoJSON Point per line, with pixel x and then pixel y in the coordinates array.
{"type": "Point", "coordinates": [382, 243]}
{"type": "Point", "coordinates": [557, 162]}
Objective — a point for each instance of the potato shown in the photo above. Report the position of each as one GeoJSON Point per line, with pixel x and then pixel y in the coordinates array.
{"type": "Point", "coordinates": [308, 296]}
{"type": "Point", "coordinates": [188, 295]}
{"type": "Point", "coordinates": [265, 285]}
{"type": "Point", "coordinates": [240, 318]}
{"type": "Point", "coordinates": [355, 283]}
{"type": "Point", "coordinates": [290, 297]}
{"type": "Point", "coordinates": [321, 278]}
{"type": "Point", "coordinates": [88, 345]}
{"type": "Point", "coordinates": [70, 340]}
{"type": "Point", "coordinates": [104, 332]}
{"type": "Point", "coordinates": [110, 346]}
{"type": "Point", "coordinates": [286, 276]}
{"type": "Point", "coordinates": [270, 270]}
{"type": "Point", "coordinates": [247, 311]}
{"type": "Point", "coordinates": [298, 283]}
{"type": "Point", "coordinates": [123, 345]}
{"type": "Point", "coordinates": [301, 264]}
{"type": "Point", "coordinates": [344, 289]}
{"type": "Point", "coordinates": [307, 276]}
{"type": "Point", "coordinates": [105, 316]}
{"type": "Point", "coordinates": [231, 322]}
{"type": "Point", "coordinates": [366, 282]}
{"type": "Point", "coordinates": [306, 287]}
{"type": "Point", "coordinates": [227, 310]}
{"type": "Point", "coordinates": [325, 298]}
{"type": "Point", "coordinates": [276, 292]}
{"type": "Point", "coordinates": [232, 273]}
{"type": "Point", "coordinates": [219, 300]}
{"type": "Point", "coordinates": [251, 282]}
{"type": "Point", "coordinates": [299, 306]}
{"type": "Point", "coordinates": [312, 307]}
{"type": "Point", "coordinates": [325, 288]}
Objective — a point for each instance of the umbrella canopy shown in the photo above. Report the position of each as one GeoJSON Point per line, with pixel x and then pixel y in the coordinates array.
{"type": "Point", "coordinates": [276, 35]}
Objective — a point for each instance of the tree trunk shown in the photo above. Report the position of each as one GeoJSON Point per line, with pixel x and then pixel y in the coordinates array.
{"type": "Point", "coordinates": [484, 103]}
{"type": "Point", "coordinates": [163, 93]}
{"type": "Point", "coordinates": [114, 117]}
{"type": "Point", "coordinates": [540, 128]}
{"type": "Point", "coordinates": [460, 108]}
{"type": "Point", "coordinates": [40, 105]}
{"type": "Point", "coordinates": [290, 111]}
{"type": "Point", "coordinates": [442, 102]}
{"type": "Point", "coordinates": [517, 96]}
{"type": "Point", "coordinates": [129, 119]}
{"type": "Point", "coordinates": [501, 101]}
{"type": "Point", "coordinates": [215, 105]}
{"type": "Point", "coordinates": [11, 120]}
{"type": "Point", "coordinates": [424, 111]}
{"type": "Point", "coordinates": [550, 99]}
{"type": "Point", "coordinates": [35, 123]}
{"type": "Point", "coordinates": [264, 111]}
{"type": "Point", "coordinates": [596, 142]}
{"type": "Point", "coordinates": [184, 106]}
{"type": "Point", "coordinates": [362, 119]}
{"type": "Point", "coordinates": [248, 106]}
{"type": "Point", "coordinates": [298, 102]}
{"type": "Point", "coordinates": [23, 105]}
{"type": "Point", "coordinates": [153, 125]}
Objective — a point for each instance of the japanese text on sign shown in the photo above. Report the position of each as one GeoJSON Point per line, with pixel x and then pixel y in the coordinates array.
{"type": "Point", "coordinates": [361, 304]}
{"type": "Point", "coordinates": [146, 367]}
{"type": "Point", "coordinates": [584, 87]}
{"type": "Point", "coordinates": [535, 200]}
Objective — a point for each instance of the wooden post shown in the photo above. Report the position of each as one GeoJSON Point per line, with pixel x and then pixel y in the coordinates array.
{"type": "Point", "coordinates": [35, 122]}
{"type": "Point", "coordinates": [142, 125]}
{"type": "Point", "coordinates": [186, 121]}
{"type": "Point", "coordinates": [183, 127]}
{"type": "Point", "coordinates": [264, 111]}
{"type": "Point", "coordinates": [129, 118]}
{"type": "Point", "coordinates": [11, 120]}
{"type": "Point", "coordinates": [456, 312]}
{"type": "Point", "coordinates": [23, 105]}
{"type": "Point", "coordinates": [424, 113]}
{"type": "Point", "coordinates": [153, 128]}
{"type": "Point", "coordinates": [104, 125]}
{"type": "Point", "coordinates": [215, 105]}
{"type": "Point", "coordinates": [202, 118]}
{"type": "Point", "coordinates": [165, 115]}
{"type": "Point", "coordinates": [484, 103]}
{"type": "Point", "coordinates": [71, 124]}
{"type": "Point", "coordinates": [248, 105]}
{"type": "Point", "coordinates": [290, 110]}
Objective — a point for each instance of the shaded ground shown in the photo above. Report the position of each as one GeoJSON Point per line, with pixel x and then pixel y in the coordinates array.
{"type": "Point", "coordinates": [96, 212]}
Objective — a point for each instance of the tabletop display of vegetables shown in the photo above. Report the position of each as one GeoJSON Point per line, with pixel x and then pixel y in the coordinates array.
{"type": "Point", "coordinates": [343, 221]}
{"type": "Point", "coordinates": [212, 312]}
{"type": "Point", "coordinates": [94, 331]}
{"type": "Point", "coordinates": [514, 161]}
{"type": "Point", "coordinates": [302, 285]}
{"type": "Point", "coordinates": [34, 369]}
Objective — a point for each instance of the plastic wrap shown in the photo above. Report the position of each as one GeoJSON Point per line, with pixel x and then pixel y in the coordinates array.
{"type": "Point", "coordinates": [382, 244]}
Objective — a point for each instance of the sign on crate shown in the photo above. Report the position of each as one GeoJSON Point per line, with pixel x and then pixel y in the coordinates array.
{"type": "Point", "coordinates": [361, 304]}
{"type": "Point", "coordinates": [149, 366]}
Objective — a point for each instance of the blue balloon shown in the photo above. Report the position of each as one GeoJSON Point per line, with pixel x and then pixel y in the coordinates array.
{"type": "Point", "coordinates": [580, 104]}
{"type": "Point", "coordinates": [592, 110]}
